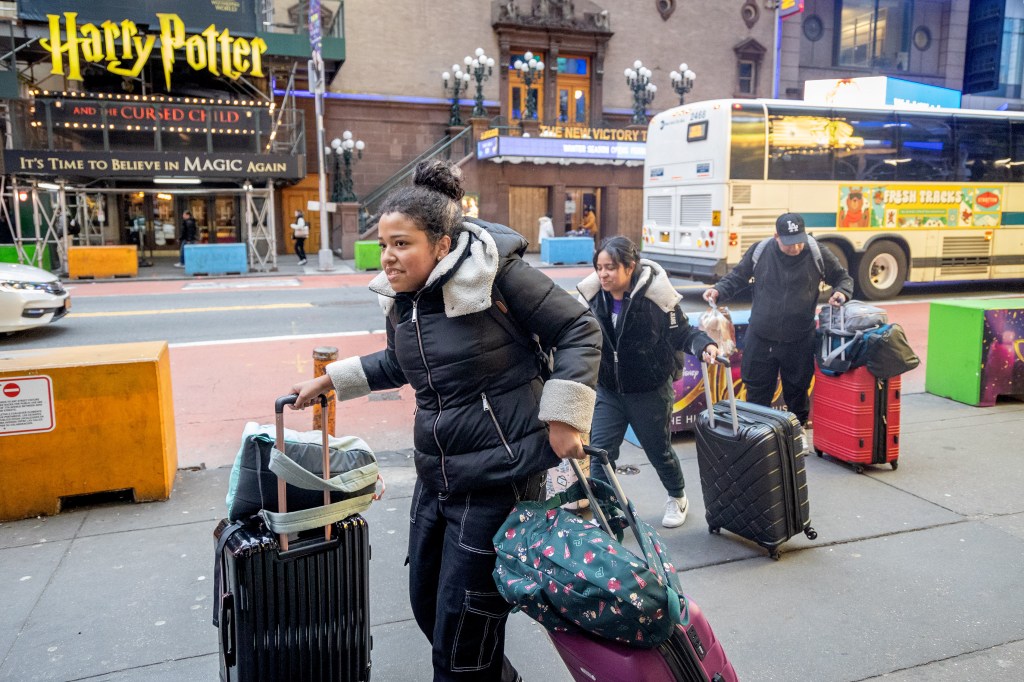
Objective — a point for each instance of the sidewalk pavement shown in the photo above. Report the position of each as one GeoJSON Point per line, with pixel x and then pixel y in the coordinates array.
{"type": "Point", "coordinates": [916, 574]}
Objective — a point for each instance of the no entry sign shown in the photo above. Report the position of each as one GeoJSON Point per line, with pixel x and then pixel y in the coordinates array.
{"type": "Point", "coordinates": [26, 405]}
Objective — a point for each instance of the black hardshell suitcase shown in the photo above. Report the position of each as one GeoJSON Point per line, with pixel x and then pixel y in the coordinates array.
{"type": "Point", "coordinates": [751, 461]}
{"type": "Point", "coordinates": [293, 610]}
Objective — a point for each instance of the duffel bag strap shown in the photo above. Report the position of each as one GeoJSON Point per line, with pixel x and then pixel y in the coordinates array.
{"type": "Point", "coordinates": [316, 517]}
{"type": "Point", "coordinates": [346, 482]}
{"type": "Point", "coordinates": [600, 504]}
{"type": "Point", "coordinates": [646, 546]}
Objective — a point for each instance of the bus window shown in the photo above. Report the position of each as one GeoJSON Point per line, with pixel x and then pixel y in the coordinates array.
{"type": "Point", "coordinates": [927, 152]}
{"type": "Point", "coordinates": [800, 144]}
{"type": "Point", "coordinates": [1016, 162]}
{"type": "Point", "coordinates": [864, 141]}
{"type": "Point", "coordinates": [982, 149]}
{"type": "Point", "coordinates": [746, 160]}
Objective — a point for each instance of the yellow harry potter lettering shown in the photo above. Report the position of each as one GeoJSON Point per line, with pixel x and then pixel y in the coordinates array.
{"type": "Point", "coordinates": [218, 52]}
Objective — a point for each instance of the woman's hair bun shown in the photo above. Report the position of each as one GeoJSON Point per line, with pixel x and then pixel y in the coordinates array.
{"type": "Point", "coordinates": [440, 176]}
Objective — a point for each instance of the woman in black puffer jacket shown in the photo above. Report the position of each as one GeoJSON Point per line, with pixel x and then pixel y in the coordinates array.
{"type": "Point", "coordinates": [460, 305]}
{"type": "Point", "coordinates": [643, 328]}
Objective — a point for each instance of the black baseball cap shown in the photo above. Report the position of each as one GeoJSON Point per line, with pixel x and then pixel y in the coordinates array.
{"type": "Point", "coordinates": [791, 229]}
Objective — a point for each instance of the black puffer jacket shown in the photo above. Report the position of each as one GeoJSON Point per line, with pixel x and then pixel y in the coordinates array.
{"type": "Point", "coordinates": [481, 405]}
{"type": "Point", "coordinates": [639, 351]}
{"type": "Point", "coordinates": [785, 289]}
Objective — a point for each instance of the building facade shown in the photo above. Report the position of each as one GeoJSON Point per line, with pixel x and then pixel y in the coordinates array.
{"type": "Point", "coordinates": [562, 137]}
{"type": "Point", "coordinates": [583, 148]}
{"type": "Point", "coordinates": [120, 118]}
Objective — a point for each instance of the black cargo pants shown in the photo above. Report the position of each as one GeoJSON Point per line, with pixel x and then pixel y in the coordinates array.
{"type": "Point", "coordinates": [451, 586]}
{"type": "Point", "coordinates": [765, 360]}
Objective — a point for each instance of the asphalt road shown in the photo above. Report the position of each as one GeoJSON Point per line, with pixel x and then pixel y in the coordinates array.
{"type": "Point", "coordinates": [186, 311]}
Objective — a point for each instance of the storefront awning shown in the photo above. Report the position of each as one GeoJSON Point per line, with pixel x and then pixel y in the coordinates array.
{"type": "Point", "coordinates": [541, 150]}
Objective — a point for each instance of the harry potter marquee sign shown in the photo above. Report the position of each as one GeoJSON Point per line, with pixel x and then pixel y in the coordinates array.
{"type": "Point", "coordinates": [124, 49]}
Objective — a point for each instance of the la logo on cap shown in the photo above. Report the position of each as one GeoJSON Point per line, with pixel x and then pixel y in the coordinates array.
{"type": "Point", "coordinates": [793, 227]}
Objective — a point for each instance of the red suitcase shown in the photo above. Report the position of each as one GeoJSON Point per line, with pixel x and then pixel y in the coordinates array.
{"type": "Point", "coordinates": [856, 417]}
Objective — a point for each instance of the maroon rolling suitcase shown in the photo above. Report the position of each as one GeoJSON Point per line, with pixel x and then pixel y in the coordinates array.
{"type": "Point", "coordinates": [691, 654]}
{"type": "Point", "coordinates": [856, 417]}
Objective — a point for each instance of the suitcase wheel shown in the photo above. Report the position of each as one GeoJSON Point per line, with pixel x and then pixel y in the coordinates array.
{"type": "Point", "coordinates": [895, 464]}
{"type": "Point", "coordinates": [714, 530]}
{"type": "Point", "coordinates": [820, 453]}
{"type": "Point", "coordinates": [858, 468]}
{"type": "Point", "coordinates": [811, 533]}
{"type": "Point", "coordinates": [774, 554]}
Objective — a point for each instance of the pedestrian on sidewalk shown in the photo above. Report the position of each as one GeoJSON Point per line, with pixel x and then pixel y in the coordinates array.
{"type": "Point", "coordinates": [300, 230]}
{"type": "Point", "coordinates": [787, 270]}
{"type": "Point", "coordinates": [189, 235]}
{"type": "Point", "coordinates": [644, 329]}
{"type": "Point", "coordinates": [545, 228]}
{"type": "Point", "coordinates": [487, 424]}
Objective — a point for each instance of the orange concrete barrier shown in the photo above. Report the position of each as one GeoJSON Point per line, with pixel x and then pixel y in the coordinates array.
{"type": "Point", "coordinates": [91, 419]}
{"type": "Point", "coordinates": [103, 261]}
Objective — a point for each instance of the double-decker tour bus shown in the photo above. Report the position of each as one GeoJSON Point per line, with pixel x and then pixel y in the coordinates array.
{"type": "Point", "coordinates": [897, 194]}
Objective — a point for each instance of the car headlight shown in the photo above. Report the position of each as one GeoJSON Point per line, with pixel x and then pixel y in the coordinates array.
{"type": "Point", "coordinates": [51, 287]}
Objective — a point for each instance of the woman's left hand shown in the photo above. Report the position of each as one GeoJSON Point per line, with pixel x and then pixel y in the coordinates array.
{"type": "Point", "coordinates": [565, 441]}
{"type": "Point", "coordinates": [710, 353]}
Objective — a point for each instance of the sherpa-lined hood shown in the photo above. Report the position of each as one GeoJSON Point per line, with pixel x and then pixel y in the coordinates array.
{"type": "Point", "coordinates": [650, 275]}
{"type": "Point", "coordinates": [467, 273]}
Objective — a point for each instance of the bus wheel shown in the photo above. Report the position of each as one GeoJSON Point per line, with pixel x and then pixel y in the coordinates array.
{"type": "Point", "coordinates": [881, 271]}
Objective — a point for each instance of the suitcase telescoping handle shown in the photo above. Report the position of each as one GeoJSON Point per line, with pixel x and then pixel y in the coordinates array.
{"type": "Point", "coordinates": [653, 559]}
{"type": "Point", "coordinates": [282, 502]}
{"type": "Point", "coordinates": [609, 471]}
{"type": "Point", "coordinates": [724, 362]}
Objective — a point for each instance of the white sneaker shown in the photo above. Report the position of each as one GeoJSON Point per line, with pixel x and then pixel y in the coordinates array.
{"type": "Point", "coordinates": [675, 511]}
{"type": "Point", "coordinates": [179, 265]}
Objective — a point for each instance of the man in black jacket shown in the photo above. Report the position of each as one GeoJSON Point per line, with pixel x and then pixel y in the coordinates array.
{"type": "Point", "coordinates": [189, 235]}
{"type": "Point", "coordinates": [780, 337]}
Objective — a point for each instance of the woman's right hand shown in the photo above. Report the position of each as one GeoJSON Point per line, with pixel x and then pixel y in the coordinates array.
{"type": "Point", "coordinates": [310, 391]}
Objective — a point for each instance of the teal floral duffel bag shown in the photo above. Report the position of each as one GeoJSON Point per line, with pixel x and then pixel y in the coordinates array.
{"type": "Point", "coordinates": [569, 574]}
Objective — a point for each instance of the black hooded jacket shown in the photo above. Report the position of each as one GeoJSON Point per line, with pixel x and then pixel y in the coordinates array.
{"type": "Point", "coordinates": [785, 290]}
{"type": "Point", "coordinates": [640, 350]}
{"type": "Point", "coordinates": [481, 406]}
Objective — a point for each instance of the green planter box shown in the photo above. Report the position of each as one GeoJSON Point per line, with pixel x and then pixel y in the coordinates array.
{"type": "Point", "coordinates": [9, 254]}
{"type": "Point", "coordinates": [367, 255]}
{"type": "Point", "coordinates": [975, 350]}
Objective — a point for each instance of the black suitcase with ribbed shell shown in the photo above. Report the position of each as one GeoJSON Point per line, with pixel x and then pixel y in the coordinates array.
{"type": "Point", "coordinates": [751, 461]}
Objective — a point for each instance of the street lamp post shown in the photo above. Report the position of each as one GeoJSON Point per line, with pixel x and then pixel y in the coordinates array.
{"type": "Point", "coordinates": [531, 70]}
{"type": "Point", "coordinates": [638, 79]}
{"type": "Point", "coordinates": [480, 67]}
{"type": "Point", "coordinates": [454, 83]}
{"type": "Point", "coordinates": [342, 150]}
{"type": "Point", "coordinates": [682, 81]}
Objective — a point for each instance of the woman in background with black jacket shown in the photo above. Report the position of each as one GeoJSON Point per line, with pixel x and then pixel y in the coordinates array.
{"type": "Point", "coordinates": [487, 426]}
{"type": "Point", "coordinates": [643, 328]}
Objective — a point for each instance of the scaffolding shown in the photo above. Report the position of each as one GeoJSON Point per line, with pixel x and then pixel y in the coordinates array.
{"type": "Point", "coordinates": [51, 208]}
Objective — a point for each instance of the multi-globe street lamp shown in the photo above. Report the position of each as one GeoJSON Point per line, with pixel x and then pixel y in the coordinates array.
{"type": "Point", "coordinates": [682, 81]}
{"type": "Point", "coordinates": [342, 153]}
{"type": "Point", "coordinates": [480, 67]}
{"type": "Point", "coordinates": [638, 79]}
{"type": "Point", "coordinates": [530, 70]}
{"type": "Point", "coordinates": [455, 83]}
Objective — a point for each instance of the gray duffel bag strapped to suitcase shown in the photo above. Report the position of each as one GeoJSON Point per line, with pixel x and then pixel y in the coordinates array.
{"type": "Point", "coordinates": [260, 464]}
